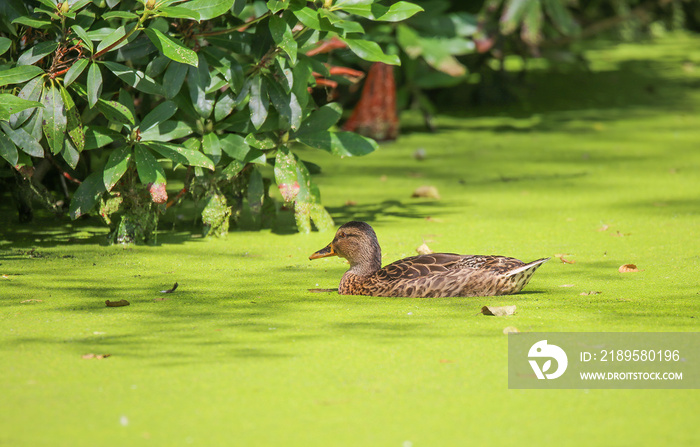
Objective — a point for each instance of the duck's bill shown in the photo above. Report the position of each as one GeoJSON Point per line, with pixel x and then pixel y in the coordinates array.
{"type": "Point", "coordinates": [324, 253]}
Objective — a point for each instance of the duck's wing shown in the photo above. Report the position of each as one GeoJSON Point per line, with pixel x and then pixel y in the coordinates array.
{"type": "Point", "coordinates": [417, 266]}
{"type": "Point", "coordinates": [495, 264]}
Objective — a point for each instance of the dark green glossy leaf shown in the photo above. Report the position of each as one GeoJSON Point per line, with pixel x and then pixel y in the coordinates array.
{"type": "Point", "coordinates": [87, 195]}
{"type": "Point", "coordinates": [75, 71]}
{"type": "Point", "coordinates": [212, 146]}
{"type": "Point", "coordinates": [172, 48]}
{"type": "Point", "coordinates": [177, 12]}
{"type": "Point", "coordinates": [117, 164]}
{"type": "Point", "coordinates": [339, 143]}
{"type": "Point", "coordinates": [259, 102]}
{"type": "Point", "coordinates": [184, 156]}
{"type": "Point", "coordinates": [5, 44]}
{"type": "Point", "coordinates": [98, 136]}
{"type": "Point", "coordinates": [54, 118]}
{"type": "Point", "coordinates": [167, 131]}
{"type": "Point", "coordinates": [286, 174]}
{"type": "Point", "coordinates": [198, 80]}
{"type": "Point", "coordinates": [23, 140]}
{"type": "Point", "coordinates": [208, 9]}
{"type": "Point", "coordinates": [94, 84]}
{"type": "Point", "coordinates": [286, 104]}
{"type": "Point", "coordinates": [114, 111]}
{"type": "Point", "coordinates": [234, 146]}
{"type": "Point", "coordinates": [224, 106]}
{"type": "Point", "coordinates": [370, 51]}
{"type": "Point", "coordinates": [17, 109]}
{"type": "Point", "coordinates": [147, 166]}
{"type": "Point", "coordinates": [135, 78]}
{"type": "Point", "coordinates": [156, 116]}
{"type": "Point", "coordinates": [32, 22]}
{"type": "Point", "coordinates": [87, 43]}
{"type": "Point", "coordinates": [283, 37]}
{"type": "Point", "coordinates": [321, 119]}
{"type": "Point", "coordinates": [256, 194]}
{"type": "Point", "coordinates": [173, 78]}
{"type": "Point", "coordinates": [8, 151]}
{"type": "Point", "coordinates": [74, 124]}
{"type": "Point", "coordinates": [20, 74]}
{"type": "Point", "coordinates": [70, 154]}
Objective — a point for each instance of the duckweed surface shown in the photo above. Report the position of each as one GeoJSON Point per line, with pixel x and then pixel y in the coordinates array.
{"type": "Point", "coordinates": [599, 168]}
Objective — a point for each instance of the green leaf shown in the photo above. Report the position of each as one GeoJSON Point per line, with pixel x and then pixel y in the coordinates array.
{"type": "Point", "coordinates": [286, 174]}
{"type": "Point", "coordinates": [5, 44]}
{"type": "Point", "coordinates": [94, 84]}
{"type": "Point", "coordinates": [23, 140]}
{"type": "Point", "coordinates": [321, 119]}
{"type": "Point", "coordinates": [20, 74]}
{"type": "Point", "coordinates": [177, 12]}
{"type": "Point", "coordinates": [232, 170]}
{"type": "Point", "coordinates": [8, 151]}
{"type": "Point", "coordinates": [114, 37]}
{"type": "Point", "coordinates": [70, 154]}
{"type": "Point", "coordinates": [395, 13]}
{"type": "Point", "coordinates": [184, 156]}
{"type": "Point", "coordinates": [172, 48]}
{"type": "Point", "coordinates": [30, 92]}
{"type": "Point", "coordinates": [114, 111]}
{"type": "Point", "coordinates": [339, 143]}
{"type": "Point", "coordinates": [513, 13]}
{"type": "Point", "coordinates": [208, 9]}
{"type": "Point", "coordinates": [256, 194]}
{"type": "Point", "coordinates": [119, 15]}
{"type": "Point", "coordinates": [224, 105]}
{"type": "Point", "coordinates": [259, 102]}
{"type": "Point", "coordinates": [370, 51]}
{"type": "Point", "coordinates": [308, 17]}
{"type": "Point", "coordinates": [117, 164]}
{"type": "Point", "coordinates": [235, 146]}
{"type": "Point", "coordinates": [198, 80]}
{"type": "Point", "coordinates": [135, 78]}
{"type": "Point", "coordinates": [561, 16]}
{"type": "Point", "coordinates": [147, 166]}
{"type": "Point", "coordinates": [54, 118]}
{"type": "Point", "coordinates": [11, 104]}
{"type": "Point", "coordinates": [531, 31]}
{"type": "Point", "coordinates": [87, 43]}
{"type": "Point", "coordinates": [74, 123]}
{"type": "Point", "coordinates": [276, 6]}
{"type": "Point", "coordinates": [286, 104]}
{"type": "Point", "coordinates": [157, 65]}
{"type": "Point", "coordinates": [283, 37]}
{"type": "Point", "coordinates": [75, 71]}
{"type": "Point", "coordinates": [212, 146]}
{"type": "Point", "coordinates": [156, 116]}
{"type": "Point", "coordinates": [173, 78]}
{"type": "Point", "coordinates": [87, 195]}
{"type": "Point", "coordinates": [167, 131]}
{"type": "Point", "coordinates": [32, 22]}
{"type": "Point", "coordinates": [98, 136]}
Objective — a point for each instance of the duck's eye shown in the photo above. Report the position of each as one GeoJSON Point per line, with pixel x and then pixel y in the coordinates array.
{"type": "Point", "coordinates": [341, 235]}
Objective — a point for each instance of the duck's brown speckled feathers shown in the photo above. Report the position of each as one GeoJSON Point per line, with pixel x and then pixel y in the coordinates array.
{"type": "Point", "coordinates": [434, 275]}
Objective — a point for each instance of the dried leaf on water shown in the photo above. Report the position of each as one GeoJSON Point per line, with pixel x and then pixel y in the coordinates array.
{"type": "Point", "coordinates": [429, 192]}
{"type": "Point", "coordinates": [498, 311]}
{"type": "Point", "coordinates": [628, 268]}
{"type": "Point", "coordinates": [563, 259]}
{"type": "Point", "coordinates": [322, 290]}
{"type": "Point", "coordinates": [32, 300]}
{"type": "Point", "coordinates": [171, 290]}
{"type": "Point", "coordinates": [510, 330]}
{"type": "Point", "coordinates": [96, 356]}
{"type": "Point", "coordinates": [424, 249]}
{"type": "Point", "coordinates": [591, 292]}
{"type": "Point", "coordinates": [119, 303]}
{"type": "Point", "coordinates": [604, 227]}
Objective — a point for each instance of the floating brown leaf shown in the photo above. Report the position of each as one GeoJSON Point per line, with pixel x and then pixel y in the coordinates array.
{"type": "Point", "coordinates": [119, 303]}
{"type": "Point", "coordinates": [171, 290]}
{"type": "Point", "coordinates": [498, 311]}
{"type": "Point", "coordinates": [350, 203]}
{"type": "Point", "coordinates": [446, 361]}
{"type": "Point", "coordinates": [429, 192]}
{"type": "Point", "coordinates": [322, 290]}
{"type": "Point", "coordinates": [618, 234]}
{"type": "Point", "coordinates": [32, 300]}
{"type": "Point", "coordinates": [604, 228]}
{"type": "Point", "coordinates": [628, 268]}
{"type": "Point", "coordinates": [592, 292]}
{"type": "Point", "coordinates": [424, 249]}
{"type": "Point", "coordinates": [563, 259]}
{"type": "Point", "coordinates": [510, 330]}
{"type": "Point", "coordinates": [96, 356]}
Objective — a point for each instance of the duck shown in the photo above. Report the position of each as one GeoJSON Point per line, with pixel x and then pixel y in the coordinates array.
{"type": "Point", "coordinates": [436, 275]}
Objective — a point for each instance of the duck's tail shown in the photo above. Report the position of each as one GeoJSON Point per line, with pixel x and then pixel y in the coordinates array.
{"type": "Point", "coordinates": [520, 276]}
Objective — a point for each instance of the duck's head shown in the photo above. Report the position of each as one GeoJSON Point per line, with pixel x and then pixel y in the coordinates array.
{"type": "Point", "coordinates": [356, 242]}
